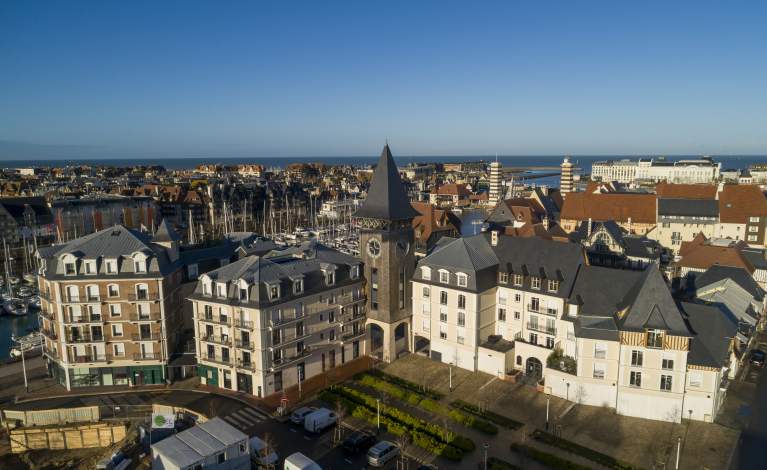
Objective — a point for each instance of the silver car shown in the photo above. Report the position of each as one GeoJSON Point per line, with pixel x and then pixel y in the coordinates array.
{"type": "Point", "coordinates": [299, 415]}
{"type": "Point", "coordinates": [381, 453]}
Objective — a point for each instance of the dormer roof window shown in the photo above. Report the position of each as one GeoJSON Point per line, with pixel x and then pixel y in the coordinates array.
{"type": "Point", "coordinates": [111, 266]}
{"type": "Point", "coordinates": [463, 279]}
{"type": "Point", "coordinates": [298, 286]}
{"type": "Point", "coordinates": [426, 273]}
{"type": "Point", "coordinates": [90, 267]}
{"type": "Point", "coordinates": [330, 277]}
{"type": "Point", "coordinates": [355, 271]}
{"type": "Point", "coordinates": [444, 276]}
{"type": "Point", "coordinates": [274, 291]}
{"type": "Point", "coordinates": [221, 289]}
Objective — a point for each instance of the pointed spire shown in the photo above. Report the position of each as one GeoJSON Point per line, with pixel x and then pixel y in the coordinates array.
{"type": "Point", "coordinates": [386, 199]}
{"type": "Point", "coordinates": [165, 233]}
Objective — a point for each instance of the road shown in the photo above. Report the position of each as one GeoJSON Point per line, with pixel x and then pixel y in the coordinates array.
{"type": "Point", "coordinates": [751, 451]}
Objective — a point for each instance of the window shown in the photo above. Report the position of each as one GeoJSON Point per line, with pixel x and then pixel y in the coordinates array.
{"type": "Point", "coordinates": [503, 278]}
{"type": "Point", "coordinates": [665, 383]}
{"type": "Point", "coordinates": [753, 229]}
{"type": "Point", "coordinates": [635, 379]}
{"type": "Point", "coordinates": [501, 299]}
{"type": "Point", "coordinates": [90, 267]}
{"type": "Point", "coordinates": [459, 339]}
{"type": "Point", "coordinates": [221, 458]}
{"type": "Point", "coordinates": [463, 279]}
{"type": "Point", "coordinates": [118, 349]}
{"type": "Point", "coordinates": [517, 315]}
{"type": "Point", "coordinates": [444, 277]}
{"type": "Point", "coordinates": [111, 266]}
{"type": "Point", "coordinates": [535, 282]}
{"type": "Point", "coordinates": [753, 220]}
{"type": "Point", "coordinates": [425, 325]}
{"type": "Point", "coordinates": [600, 350]}
{"type": "Point", "coordinates": [517, 279]}
{"type": "Point", "coordinates": [517, 298]}
{"type": "Point", "coordinates": [206, 287]}
{"type": "Point", "coordinates": [243, 293]}
{"type": "Point", "coordinates": [426, 308]}
{"type": "Point", "coordinates": [114, 310]}
{"type": "Point", "coordinates": [139, 266]}
{"type": "Point", "coordinates": [113, 290]}
{"type": "Point", "coordinates": [553, 285]}
{"type": "Point", "coordinates": [274, 291]}
{"type": "Point", "coordinates": [426, 273]}
{"type": "Point", "coordinates": [636, 358]}
{"type": "Point", "coordinates": [355, 271]}
{"type": "Point", "coordinates": [330, 277]}
{"type": "Point", "coordinates": [298, 286]}
{"type": "Point", "coordinates": [752, 238]}
{"type": "Point", "coordinates": [92, 292]}
{"type": "Point", "coordinates": [221, 289]}
{"type": "Point", "coordinates": [550, 342]}
{"type": "Point", "coordinates": [533, 338]}
{"type": "Point", "coordinates": [426, 292]}
{"type": "Point", "coordinates": [443, 316]}
{"type": "Point", "coordinates": [519, 360]}
{"type": "Point", "coordinates": [192, 271]}
{"type": "Point", "coordinates": [117, 329]}
{"type": "Point", "coordinates": [442, 332]}
{"type": "Point", "coordinates": [142, 292]}
{"type": "Point", "coordinates": [599, 370]}
{"type": "Point", "coordinates": [654, 339]}
{"type": "Point", "coordinates": [443, 297]}
{"type": "Point", "coordinates": [461, 319]}
{"type": "Point", "coordinates": [461, 301]}
{"type": "Point", "coordinates": [70, 268]}
{"type": "Point", "coordinates": [299, 309]}
{"type": "Point", "coordinates": [501, 314]}
{"type": "Point", "coordinates": [667, 364]}
{"type": "Point", "coordinates": [696, 378]}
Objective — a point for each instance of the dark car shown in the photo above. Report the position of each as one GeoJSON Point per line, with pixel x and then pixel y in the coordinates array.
{"type": "Point", "coordinates": [757, 357]}
{"type": "Point", "coordinates": [357, 442]}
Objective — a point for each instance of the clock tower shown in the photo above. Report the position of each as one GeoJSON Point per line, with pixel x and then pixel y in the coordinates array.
{"type": "Point", "coordinates": [386, 247]}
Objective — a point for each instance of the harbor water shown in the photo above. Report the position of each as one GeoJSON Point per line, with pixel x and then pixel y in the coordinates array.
{"type": "Point", "coordinates": [18, 326]}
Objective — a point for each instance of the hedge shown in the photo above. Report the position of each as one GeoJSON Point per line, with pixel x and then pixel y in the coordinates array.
{"type": "Point", "coordinates": [406, 384]}
{"type": "Point", "coordinates": [585, 452]}
{"type": "Point", "coordinates": [427, 404]}
{"type": "Point", "coordinates": [550, 460]}
{"type": "Point", "coordinates": [500, 420]}
{"type": "Point", "coordinates": [431, 437]}
{"type": "Point", "coordinates": [494, 463]}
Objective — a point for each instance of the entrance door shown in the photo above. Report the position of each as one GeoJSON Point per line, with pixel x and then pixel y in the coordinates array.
{"type": "Point", "coordinates": [534, 368]}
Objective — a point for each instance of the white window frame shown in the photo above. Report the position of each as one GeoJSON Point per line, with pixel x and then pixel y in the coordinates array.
{"type": "Point", "coordinates": [444, 276]}
{"type": "Point", "coordinates": [89, 267]}
{"type": "Point", "coordinates": [110, 266]}
{"type": "Point", "coordinates": [426, 273]}
{"type": "Point", "coordinates": [535, 282]}
{"type": "Point", "coordinates": [462, 279]}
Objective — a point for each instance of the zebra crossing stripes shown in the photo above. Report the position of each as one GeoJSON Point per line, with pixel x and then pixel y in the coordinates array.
{"type": "Point", "coordinates": [245, 418]}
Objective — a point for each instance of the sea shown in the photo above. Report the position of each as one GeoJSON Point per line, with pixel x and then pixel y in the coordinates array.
{"type": "Point", "coordinates": [12, 325]}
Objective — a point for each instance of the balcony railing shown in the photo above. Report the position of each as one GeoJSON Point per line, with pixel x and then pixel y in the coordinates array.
{"type": "Point", "coordinates": [249, 345]}
{"type": "Point", "coordinates": [250, 365]}
{"type": "Point", "coordinates": [217, 359]}
{"type": "Point", "coordinates": [216, 319]}
{"type": "Point", "coordinates": [88, 358]}
{"type": "Point", "coordinates": [353, 335]}
{"type": "Point", "coordinates": [285, 321]}
{"type": "Point", "coordinates": [217, 339]}
{"type": "Point", "coordinates": [247, 324]}
{"type": "Point", "coordinates": [146, 337]}
{"type": "Point", "coordinates": [46, 314]}
{"type": "Point", "coordinates": [291, 340]}
{"type": "Point", "coordinates": [144, 297]}
{"type": "Point", "coordinates": [83, 319]}
{"type": "Point", "coordinates": [50, 334]}
{"type": "Point", "coordinates": [549, 330]}
{"type": "Point", "coordinates": [286, 361]}
{"type": "Point", "coordinates": [84, 338]}
{"type": "Point", "coordinates": [46, 296]}
{"type": "Point", "coordinates": [542, 310]}
{"type": "Point", "coordinates": [147, 356]}
{"type": "Point", "coordinates": [86, 299]}
{"type": "Point", "coordinates": [152, 316]}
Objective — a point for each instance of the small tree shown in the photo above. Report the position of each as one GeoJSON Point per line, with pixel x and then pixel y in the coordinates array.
{"type": "Point", "coordinates": [340, 416]}
{"type": "Point", "coordinates": [402, 442]}
{"type": "Point", "coordinates": [270, 445]}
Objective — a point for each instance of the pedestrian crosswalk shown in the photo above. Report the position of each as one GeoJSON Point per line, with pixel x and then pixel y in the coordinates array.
{"type": "Point", "coordinates": [245, 418]}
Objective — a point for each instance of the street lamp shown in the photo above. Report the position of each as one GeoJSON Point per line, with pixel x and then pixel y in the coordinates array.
{"type": "Point", "coordinates": [568, 391]}
{"type": "Point", "coordinates": [486, 446]}
{"type": "Point", "coordinates": [378, 414]}
{"type": "Point", "coordinates": [548, 398]}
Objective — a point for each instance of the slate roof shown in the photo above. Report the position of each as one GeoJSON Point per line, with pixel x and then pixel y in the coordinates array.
{"type": "Point", "coordinates": [688, 207]}
{"type": "Point", "coordinates": [612, 228]}
{"type": "Point", "coordinates": [714, 330]}
{"type": "Point", "coordinates": [386, 199]}
{"type": "Point", "coordinates": [740, 276]}
{"type": "Point", "coordinates": [686, 191]}
{"type": "Point", "coordinates": [641, 247]}
{"type": "Point", "coordinates": [165, 233]}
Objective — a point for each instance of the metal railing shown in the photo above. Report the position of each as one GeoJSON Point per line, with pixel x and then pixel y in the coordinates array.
{"type": "Point", "coordinates": [215, 319]}
{"type": "Point", "coordinates": [217, 359]}
{"type": "Point", "coordinates": [144, 297]}
{"type": "Point", "coordinates": [151, 316]}
{"type": "Point", "coordinates": [286, 361]}
{"type": "Point", "coordinates": [50, 334]}
{"type": "Point", "coordinates": [84, 338]}
{"type": "Point", "coordinates": [549, 330]}
{"type": "Point", "coordinates": [244, 344]}
{"type": "Point", "coordinates": [225, 340]}
{"type": "Point", "coordinates": [291, 339]}
{"type": "Point", "coordinates": [542, 310]}
{"type": "Point", "coordinates": [88, 358]}
{"type": "Point", "coordinates": [86, 299]}
{"type": "Point", "coordinates": [147, 356]}
{"type": "Point", "coordinates": [250, 365]}
{"type": "Point", "coordinates": [83, 319]}
{"type": "Point", "coordinates": [143, 337]}
{"type": "Point", "coordinates": [352, 335]}
{"type": "Point", "coordinates": [247, 324]}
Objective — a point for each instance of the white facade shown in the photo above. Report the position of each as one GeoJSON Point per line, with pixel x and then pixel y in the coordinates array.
{"type": "Point", "coordinates": [631, 171]}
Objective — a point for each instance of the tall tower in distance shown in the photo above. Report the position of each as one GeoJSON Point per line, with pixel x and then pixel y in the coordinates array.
{"type": "Point", "coordinates": [496, 183]}
{"type": "Point", "coordinates": [566, 180]}
{"type": "Point", "coordinates": [386, 245]}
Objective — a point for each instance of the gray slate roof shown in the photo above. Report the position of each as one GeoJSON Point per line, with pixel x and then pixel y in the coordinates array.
{"type": "Point", "coordinates": [165, 233]}
{"type": "Point", "coordinates": [713, 330]}
{"type": "Point", "coordinates": [718, 273]}
{"type": "Point", "coordinates": [688, 207]}
{"type": "Point", "coordinates": [386, 198]}
{"type": "Point", "coordinates": [469, 255]}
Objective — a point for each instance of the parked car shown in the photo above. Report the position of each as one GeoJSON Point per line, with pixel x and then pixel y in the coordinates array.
{"type": "Point", "coordinates": [319, 420]}
{"type": "Point", "coordinates": [261, 454]}
{"type": "Point", "coordinates": [381, 453]}
{"type": "Point", "coordinates": [358, 441]}
{"type": "Point", "coordinates": [757, 357]}
{"type": "Point", "coordinates": [299, 461]}
{"type": "Point", "coordinates": [299, 415]}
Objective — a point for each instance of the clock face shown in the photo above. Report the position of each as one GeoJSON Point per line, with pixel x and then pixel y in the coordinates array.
{"type": "Point", "coordinates": [374, 248]}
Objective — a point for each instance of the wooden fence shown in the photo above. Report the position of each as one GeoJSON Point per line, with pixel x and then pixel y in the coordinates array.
{"type": "Point", "coordinates": [66, 437]}
{"type": "Point", "coordinates": [85, 414]}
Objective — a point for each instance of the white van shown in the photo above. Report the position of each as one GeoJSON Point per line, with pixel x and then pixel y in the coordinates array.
{"type": "Point", "coordinates": [319, 420]}
{"type": "Point", "coordinates": [260, 455]}
{"type": "Point", "coordinates": [299, 461]}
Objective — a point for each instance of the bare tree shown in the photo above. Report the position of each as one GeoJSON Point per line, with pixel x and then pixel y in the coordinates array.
{"type": "Point", "coordinates": [340, 416]}
{"type": "Point", "coordinates": [402, 442]}
{"type": "Point", "coordinates": [270, 445]}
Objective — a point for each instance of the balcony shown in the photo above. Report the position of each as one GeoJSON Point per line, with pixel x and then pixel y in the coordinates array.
{"type": "Point", "coordinates": [549, 330]}
{"type": "Point", "coordinates": [290, 340]}
{"type": "Point", "coordinates": [286, 361]}
{"type": "Point", "coordinates": [224, 340]}
{"type": "Point", "coordinates": [146, 337]}
{"type": "Point", "coordinates": [50, 334]}
{"type": "Point", "coordinates": [83, 319]}
{"type": "Point", "coordinates": [144, 297]}
{"type": "Point", "coordinates": [87, 299]}
{"type": "Point", "coordinates": [542, 310]}
{"type": "Point", "coordinates": [46, 296]}
{"type": "Point", "coordinates": [46, 314]}
{"type": "Point", "coordinates": [250, 365]}
{"type": "Point", "coordinates": [249, 345]}
{"type": "Point", "coordinates": [217, 359]}
{"type": "Point", "coordinates": [146, 356]}
{"type": "Point", "coordinates": [284, 321]}
{"type": "Point", "coordinates": [353, 335]}
{"type": "Point", "coordinates": [152, 316]}
{"type": "Point", "coordinates": [215, 319]}
{"type": "Point", "coordinates": [84, 338]}
{"type": "Point", "coordinates": [88, 358]}
{"type": "Point", "coordinates": [246, 324]}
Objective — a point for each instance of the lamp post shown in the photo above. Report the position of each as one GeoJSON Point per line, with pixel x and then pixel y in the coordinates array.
{"type": "Point", "coordinates": [450, 370]}
{"type": "Point", "coordinates": [24, 366]}
{"type": "Point", "coordinates": [486, 446]}
{"type": "Point", "coordinates": [678, 450]}
{"type": "Point", "coordinates": [548, 398]}
{"type": "Point", "coordinates": [378, 414]}
{"type": "Point", "coordinates": [568, 391]}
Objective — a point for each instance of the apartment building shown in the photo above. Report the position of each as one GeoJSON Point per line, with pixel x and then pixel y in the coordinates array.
{"type": "Point", "coordinates": [633, 212]}
{"type": "Point", "coordinates": [264, 323]}
{"type": "Point", "coordinates": [592, 335]}
{"type": "Point", "coordinates": [701, 170]}
{"type": "Point", "coordinates": [680, 220]}
{"type": "Point", "coordinates": [109, 301]}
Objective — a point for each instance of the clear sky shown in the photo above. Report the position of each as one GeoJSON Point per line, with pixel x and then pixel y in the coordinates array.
{"type": "Point", "coordinates": [289, 78]}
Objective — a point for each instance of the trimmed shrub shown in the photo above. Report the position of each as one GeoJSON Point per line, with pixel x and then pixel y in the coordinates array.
{"type": "Point", "coordinates": [406, 384]}
{"type": "Point", "coordinates": [500, 420]}
{"type": "Point", "coordinates": [494, 463]}
{"type": "Point", "coordinates": [585, 452]}
{"type": "Point", "coordinates": [550, 460]}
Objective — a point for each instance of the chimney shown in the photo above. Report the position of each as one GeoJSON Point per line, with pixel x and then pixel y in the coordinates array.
{"type": "Point", "coordinates": [494, 238]}
{"type": "Point", "coordinates": [546, 223]}
{"type": "Point", "coordinates": [588, 229]}
{"type": "Point", "coordinates": [629, 226]}
{"type": "Point", "coordinates": [545, 190]}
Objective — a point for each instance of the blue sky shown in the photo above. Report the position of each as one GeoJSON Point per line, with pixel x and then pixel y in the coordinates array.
{"type": "Point", "coordinates": [191, 78]}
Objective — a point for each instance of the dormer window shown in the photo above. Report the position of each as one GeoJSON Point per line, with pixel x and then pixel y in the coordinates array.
{"type": "Point", "coordinates": [330, 277]}
{"type": "Point", "coordinates": [139, 266]}
{"type": "Point", "coordinates": [207, 287]}
{"type": "Point", "coordinates": [221, 289]}
{"type": "Point", "coordinates": [298, 286]}
{"type": "Point", "coordinates": [90, 267]}
{"type": "Point", "coordinates": [654, 339]}
{"type": "Point", "coordinates": [111, 266]}
{"type": "Point", "coordinates": [243, 294]}
{"type": "Point", "coordinates": [70, 268]}
{"type": "Point", "coordinates": [274, 291]}
{"type": "Point", "coordinates": [535, 282]}
{"type": "Point", "coordinates": [517, 280]}
{"type": "Point", "coordinates": [426, 273]}
{"type": "Point", "coordinates": [463, 279]}
{"type": "Point", "coordinates": [444, 276]}
{"type": "Point", "coordinates": [503, 278]}
{"type": "Point", "coordinates": [553, 285]}
{"type": "Point", "coordinates": [355, 271]}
